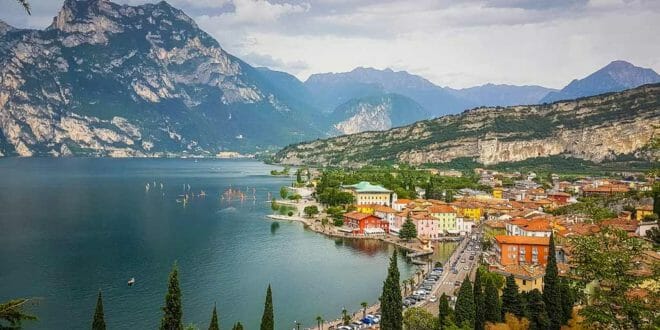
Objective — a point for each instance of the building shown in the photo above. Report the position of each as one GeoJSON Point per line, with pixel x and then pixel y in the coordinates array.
{"type": "Point", "coordinates": [521, 250]}
{"type": "Point", "coordinates": [446, 216]}
{"type": "Point", "coordinates": [469, 210]}
{"type": "Point", "coordinates": [494, 228]}
{"type": "Point", "coordinates": [527, 277]}
{"type": "Point", "coordinates": [386, 213]}
{"type": "Point", "coordinates": [498, 192]}
{"type": "Point", "coordinates": [538, 227]}
{"type": "Point", "coordinates": [605, 190]}
{"type": "Point", "coordinates": [400, 204]}
{"type": "Point", "coordinates": [366, 193]}
{"type": "Point", "coordinates": [427, 226]}
{"type": "Point", "coordinates": [559, 197]}
{"type": "Point", "coordinates": [361, 223]}
{"type": "Point", "coordinates": [643, 210]}
{"type": "Point", "coordinates": [464, 226]}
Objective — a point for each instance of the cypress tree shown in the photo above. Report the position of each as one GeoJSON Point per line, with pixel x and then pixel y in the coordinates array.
{"type": "Point", "coordinates": [237, 326]}
{"type": "Point", "coordinates": [551, 290]}
{"type": "Point", "coordinates": [567, 300]}
{"type": "Point", "coordinates": [444, 312]}
{"type": "Point", "coordinates": [172, 311]}
{"type": "Point", "coordinates": [479, 303]}
{"type": "Point", "coordinates": [464, 310]}
{"type": "Point", "coordinates": [538, 316]}
{"type": "Point", "coordinates": [99, 318]}
{"type": "Point", "coordinates": [268, 319]}
{"type": "Point", "coordinates": [492, 302]}
{"type": "Point", "coordinates": [511, 301]}
{"type": "Point", "coordinates": [391, 303]}
{"type": "Point", "coordinates": [214, 320]}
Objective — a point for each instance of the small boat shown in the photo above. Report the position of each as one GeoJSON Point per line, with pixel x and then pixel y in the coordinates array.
{"type": "Point", "coordinates": [131, 281]}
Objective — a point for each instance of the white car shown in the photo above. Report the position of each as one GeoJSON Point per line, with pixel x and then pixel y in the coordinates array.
{"type": "Point", "coordinates": [433, 299]}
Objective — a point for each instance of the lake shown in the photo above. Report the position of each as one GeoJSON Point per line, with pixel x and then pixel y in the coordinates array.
{"type": "Point", "coordinates": [70, 227]}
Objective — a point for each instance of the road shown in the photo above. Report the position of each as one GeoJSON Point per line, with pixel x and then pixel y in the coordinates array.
{"type": "Point", "coordinates": [446, 283]}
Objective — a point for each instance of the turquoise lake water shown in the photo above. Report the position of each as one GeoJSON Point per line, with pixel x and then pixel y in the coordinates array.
{"type": "Point", "coordinates": [69, 227]}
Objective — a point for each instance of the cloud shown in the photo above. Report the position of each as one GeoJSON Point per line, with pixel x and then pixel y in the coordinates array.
{"type": "Point", "coordinates": [265, 60]}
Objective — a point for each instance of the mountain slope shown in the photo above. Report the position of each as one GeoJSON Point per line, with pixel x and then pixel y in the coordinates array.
{"type": "Point", "coordinates": [595, 128]}
{"type": "Point", "coordinates": [503, 95]}
{"type": "Point", "coordinates": [333, 89]}
{"type": "Point", "coordinates": [376, 113]}
{"type": "Point", "coordinates": [614, 77]}
{"type": "Point", "coordinates": [116, 80]}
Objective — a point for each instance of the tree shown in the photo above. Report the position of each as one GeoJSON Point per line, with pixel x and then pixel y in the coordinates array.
{"type": "Point", "coordinates": [284, 192]}
{"type": "Point", "coordinates": [538, 316]}
{"type": "Point", "coordinates": [172, 311]}
{"type": "Point", "coordinates": [268, 319]}
{"type": "Point", "coordinates": [567, 300]}
{"type": "Point", "coordinates": [511, 322]}
{"type": "Point", "coordinates": [417, 318]}
{"type": "Point", "coordinates": [311, 210]}
{"type": "Point", "coordinates": [609, 259]}
{"type": "Point", "coordinates": [237, 326]}
{"type": "Point", "coordinates": [319, 321]}
{"type": "Point", "coordinates": [26, 6]}
{"type": "Point", "coordinates": [479, 304]}
{"type": "Point", "coordinates": [551, 293]}
{"type": "Point", "coordinates": [391, 303]}
{"type": "Point", "coordinates": [344, 316]}
{"type": "Point", "coordinates": [464, 310]}
{"type": "Point", "coordinates": [273, 205]}
{"type": "Point", "coordinates": [511, 302]}
{"type": "Point", "coordinates": [298, 176]}
{"type": "Point", "coordinates": [214, 320]}
{"type": "Point", "coordinates": [408, 229]}
{"type": "Point", "coordinates": [364, 305]}
{"type": "Point", "coordinates": [444, 312]}
{"type": "Point", "coordinates": [295, 197]}
{"type": "Point", "coordinates": [492, 311]}
{"type": "Point", "coordinates": [12, 313]}
{"type": "Point", "coordinates": [99, 321]}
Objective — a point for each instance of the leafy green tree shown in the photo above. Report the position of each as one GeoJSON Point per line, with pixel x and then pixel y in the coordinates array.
{"type": "Point", "coordinates": [214, 320]}
{"type": "Point", "coordinates": [538, 316]}
{"type": "Point", "coordinates": [311, 210]}
{"type": "Point", "coordinates": [172, 311]}
{"type": "Point", "coordinates": [237, 326]}
{"type": "Point", "coordinates": [364, 305]}
{"type": "Point", "coordinates": [608, 259]}
{"type": "Point", "coordinates": [319, 321]}
{"type": "Point", "coordinates": [511, 301]}
{"type": "Point", "coordinates": [12, 313]}
{"type": "Point", "coordinates": [99, 320]}
{"type": "Point", "coordinates": [444, 312]}
{"type": "Point", "coordinates": [417, 318]}
{"type": "Point", "coordinates": [268, 318]}
{"type": "Point", "coordinates": [551, 291]}
{"type": "Point", "coordinates": [492, 304]}
{"type": "Point", "coordinates": [284, 192]}
{"type": "Point", "coordinates": [345, 318]}
{"type": "Point", "coordinates": [273, 205]}
{"type": "Point", "coordinates": [479, 303]}
{"type": "Point", "coordinates": [391, 303]}
{"type": "Point", "coordinates": [656, 199]}
{"type": "Point", "coordinates": [464, 312]}
{"type": "Point", "coordinates": [408, 229]}
{"type": "Point", "coordinates": [298, 177]}
{"type": "Point", "coordinates": [295, 197]}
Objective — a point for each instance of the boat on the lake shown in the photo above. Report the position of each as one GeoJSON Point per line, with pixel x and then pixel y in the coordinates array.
{"type": "Point", "coordinates": [131, 281]}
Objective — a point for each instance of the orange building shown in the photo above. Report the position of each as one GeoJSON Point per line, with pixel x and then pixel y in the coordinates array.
{"type": "Point", "coordinates": [522, 250]}
{"type": "Point", "coordinates": [362, 223]}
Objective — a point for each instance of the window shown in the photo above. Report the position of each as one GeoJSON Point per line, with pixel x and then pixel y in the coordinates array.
{"type": "Point", "coordinates": [524, 282]}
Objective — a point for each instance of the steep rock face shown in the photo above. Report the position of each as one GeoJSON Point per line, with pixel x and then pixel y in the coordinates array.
{"type": "Point", "coordinates": [116, 80]}
{"type": "Point", "coordinates": [376, 113]}
{"type": "Point", "coordinates": [596, 128]}
{"type": "Point", "coordinates": [614, 77]}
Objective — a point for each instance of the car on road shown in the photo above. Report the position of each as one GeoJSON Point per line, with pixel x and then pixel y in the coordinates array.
{"type": "Point", "coordinates": [433, 299]}
{"type": "Point", "coordinates": [466, 268]}
{"type": "Point", "coordinates": [463, 260]}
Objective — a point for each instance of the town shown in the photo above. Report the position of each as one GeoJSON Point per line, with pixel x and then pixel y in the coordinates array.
{"type": "Point", "coordinates": [508, 225]}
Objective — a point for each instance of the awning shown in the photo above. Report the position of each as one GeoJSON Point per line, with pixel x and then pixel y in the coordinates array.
{"type": "Point", "coordinates": [374, 231]}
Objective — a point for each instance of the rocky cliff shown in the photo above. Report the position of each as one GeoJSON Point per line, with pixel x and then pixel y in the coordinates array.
{"type": "Point", "coordinates": [596, 128]}
{"type": "Point", "coordinates": [115, 80]}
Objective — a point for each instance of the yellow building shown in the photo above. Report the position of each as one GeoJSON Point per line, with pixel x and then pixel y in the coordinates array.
{"type": "Point", "coordinates": [366, 193]}
{"type": "Point", "coordinates": [643, 211]}
{"type": "Point", "coordinates": [527, 277]}
{"type": "Point", "coordinates": [497, 193]}
{"type": "Point", "coordinates": [470, 211]}
{"type": "Point", "coordinates": [366, 208]}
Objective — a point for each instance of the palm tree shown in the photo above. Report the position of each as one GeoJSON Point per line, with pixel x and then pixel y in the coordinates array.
{"type": "Point", "coordinates": [319, 320]}
{"type": "Point", "coordinates": [25, 5]}
{"type": "Point", "coordinates": [405, 287]}
{"type": "Point", "coordinates": [364, 305]}
{"type": "Point", "coordinates": [419, 273]}
{"type": "Point", "coordinates": [345, 318]}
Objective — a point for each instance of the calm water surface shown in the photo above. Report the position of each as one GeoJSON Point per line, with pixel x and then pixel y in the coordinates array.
{"type": "Point", "coordinates": [69, 227]}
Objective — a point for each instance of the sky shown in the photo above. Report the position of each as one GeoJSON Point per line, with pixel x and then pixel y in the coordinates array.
{"type": "Point", "coordinates": [455, 43]}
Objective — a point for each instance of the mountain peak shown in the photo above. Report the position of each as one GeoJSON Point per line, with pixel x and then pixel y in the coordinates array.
{"type": "Point", "coordinates": [4, 27]}
{"type": "Point", "coordinates": [616, 76]}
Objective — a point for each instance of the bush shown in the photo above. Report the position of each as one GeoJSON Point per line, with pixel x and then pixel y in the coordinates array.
{"type": "Point", "coordinates": [290, 213]}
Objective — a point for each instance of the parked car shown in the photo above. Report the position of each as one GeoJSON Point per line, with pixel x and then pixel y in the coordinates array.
{"type": "Point", "coordinates": [433, 299]}
{"type": "Point", "coordinates": [466, 268]}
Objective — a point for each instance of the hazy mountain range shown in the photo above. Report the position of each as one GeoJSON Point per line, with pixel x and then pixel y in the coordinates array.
{"type": "Point", "coordinates": [116, 80]}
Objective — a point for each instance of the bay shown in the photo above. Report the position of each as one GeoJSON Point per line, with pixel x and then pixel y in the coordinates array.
{"type": "Point", "coordinates": [71, 227]}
